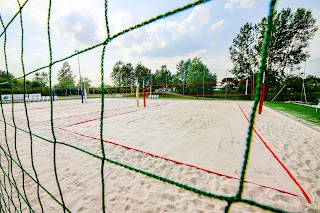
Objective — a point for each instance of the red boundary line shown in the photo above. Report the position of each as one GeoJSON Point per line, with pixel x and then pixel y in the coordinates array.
{"type": "Point", "coordinates": [279, 161]}
{"type": "Point", "coordinates": [178, 162]}
{"type": "Point", "coordinates": [109, 116]}
{"type": "Point", "coordinates": [20, 110]}
{"type": "Point", "coordinates": [70, 116]}
{"type": "Point", "coordinates": [40, 108]}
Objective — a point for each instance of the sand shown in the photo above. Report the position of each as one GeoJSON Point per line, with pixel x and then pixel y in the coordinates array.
{"type": "Point", "coordinates": [207, 138]}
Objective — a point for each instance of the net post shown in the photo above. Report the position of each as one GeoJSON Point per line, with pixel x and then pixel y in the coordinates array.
{"type": "Point", "coordinates": [53, 99]}
{"type": "Point", "coordinates": [137, 94]}
{"type": "Point", "coordinates": [85, 93]}
{"type": "Point", "coordinates": [81, 94]}
{"type": "Point", "coordinates": [150, 89]}
{"type": "Point", "coordinates": [246, 93]}
{"type": "Point", "coordinates": [263, 89]}
{"type": "Point", "coordinates": [144, 95]}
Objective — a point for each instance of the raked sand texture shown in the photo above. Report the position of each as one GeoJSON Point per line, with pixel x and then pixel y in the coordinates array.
{"type": "Point", "coordinates": [198, 143]}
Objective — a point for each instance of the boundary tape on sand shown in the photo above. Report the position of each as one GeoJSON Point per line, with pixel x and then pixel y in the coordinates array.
{"type": "Point", "coordinates": [178, 162]}
{"type": "Point", "coordinates": [110, 116]}
{"type": "Point", "coordinates": [277, 159]}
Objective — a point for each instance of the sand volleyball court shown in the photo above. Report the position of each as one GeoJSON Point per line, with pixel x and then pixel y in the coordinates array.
{"type": "Point", "coordinates": [199, 143]}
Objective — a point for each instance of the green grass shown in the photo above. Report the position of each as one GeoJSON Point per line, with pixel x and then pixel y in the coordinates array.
{"type": "Point", "coordinates": [305, 113]}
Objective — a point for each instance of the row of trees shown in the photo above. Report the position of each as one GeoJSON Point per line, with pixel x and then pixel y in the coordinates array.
{"type": "Point", "coordinates": [37, 84]}
{"type": "Point", "coordinates": [66, 79]}
{"type": "Point", "coordinates": [40, 81]}
{"type": "Point", "coordinates": [291, 34]}
{"type": "Point", "coordinates": [189, 71]}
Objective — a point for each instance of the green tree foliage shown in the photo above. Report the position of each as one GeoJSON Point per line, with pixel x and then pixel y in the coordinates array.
{"type": "Point", "coordinates": [291, 35]}
{"type": "Point", "coordinates": [127, 74]}
{"type": "Point", "coordinates": [18, 85]}
{"type": "Point", "coordinates": [116, 74]}
{"type": "Point", "coordinates": [231, 85]}
{"type": "Point", "coordinates": [293, 88]}
{"type": "Point", "coordinates": [142, 73]}
{"type": "Point", "coordinates": [40, 79]}
{"type": "Point", "coordinates": [162, 75]}
{"type": "Point", "coordinates": [5, 78]}
{"type": "Point", "coordinates": [84, 81]}
{"type": "Point", "coordinates": [122, 74]}
{"type": "Point", "coordinates": [198, 72]}
{"type": "Point", "coordinates": [243, 52]}
{"type": "Point", "coordinates": [182, 70]}
{"type": "Point", "coordinates": [312, 84]}
{"type": "Point", "coordinates": [66, 78]}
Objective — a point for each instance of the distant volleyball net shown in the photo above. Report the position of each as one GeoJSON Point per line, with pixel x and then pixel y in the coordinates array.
{"type": "Point", "coordinates": [226, 89]}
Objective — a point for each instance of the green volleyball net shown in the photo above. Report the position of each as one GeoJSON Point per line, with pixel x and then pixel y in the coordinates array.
{"type": "Point", "coordinates": [13, 193]}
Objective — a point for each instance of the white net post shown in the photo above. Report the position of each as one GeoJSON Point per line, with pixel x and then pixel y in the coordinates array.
{"type": "Point", "coordinates": [246, 93]}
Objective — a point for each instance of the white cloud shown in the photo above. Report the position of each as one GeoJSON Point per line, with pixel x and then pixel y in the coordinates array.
{"type": "Point", "coordinates": [167, 38]}
{"type": "Point", "coordinates": [78, 25]}
{"type": "Point", "coordinates": [37, 10]}
{"type": "Point", "coordinates": [119, 21]}
{"type": "Point", "coordinates": [231, 4]}
{"type": "Point", "coordinates": [216, 25]}
{"type": "Point", "coordinates": [9, 5]}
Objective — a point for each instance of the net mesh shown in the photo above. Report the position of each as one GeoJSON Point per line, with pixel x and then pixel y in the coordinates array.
{"type": "Point", "coordinates": [234, 88]}
{"type": "Point", "coordinates": [8, 182]}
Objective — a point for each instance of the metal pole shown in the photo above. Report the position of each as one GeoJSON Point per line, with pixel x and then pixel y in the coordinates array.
{"type": "Point", "coordinates": [79, 67]}
{"type": "Point", "coordinates": [137, 93]}
{"type": "Point", "coordinates": [263, 88]}
{"type": "Point", "coordinates": [166, 81]}
{"type": "Point", "coordinates": [183, 86]}
{"type": "Point", "coordinates": [183, 81]}
{"type": "Point", "coordinates": [303, 86]}
{"type": "Point", "coordinates": [225, 96]}
{"type": "Point", "coordinates": [203, 84]}
{"type": "Point", "coordinates": [144, 95]}
{"type": "Point", "coordinates": [278, 93]}
{"type": "Point", "coordinates": [150, 84]}
{"type": "Point", "coordinates": [81, 91]}
{"type": "Point", "coordinates": [246, 92]}
{"type": "Point", "coordinates": [166, 84]}
{"type": "Point", "coordinates": [253, 90]}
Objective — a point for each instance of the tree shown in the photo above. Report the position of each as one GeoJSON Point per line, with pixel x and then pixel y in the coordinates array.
{"type": "Point", "coordinates": [66, 78]}
{"type": "Point", "coordinates": [122, 74]}
{"type": "Point", "coordinates": [5, 78]}
{"type": "Point", "coordinates": [84, 81]}
{"type": "Point", "coordinates": [243, 52]}
{"type": "Point", "coordinates": [290, 36]}
{"type": "Point", "coordinates": [40, 79]}
{"type": "Point", "coordinates": [312, 84]}
{"type": "Point", "coordinates": [198, 72]}
{"type": "Point", "coordinates": [142, 73]}
{"type": "Point", "coordinates": [162, 76]}
{"type": "Point", "coordinates": [116, 74]}
{"type": "Point", "coordinates": [182, 70]}
{"type": "Point", "coordinates": [229, 83]}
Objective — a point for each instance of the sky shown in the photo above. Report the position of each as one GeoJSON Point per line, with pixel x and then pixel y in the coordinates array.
{"type": "Point", "coordinates": [204, 31]}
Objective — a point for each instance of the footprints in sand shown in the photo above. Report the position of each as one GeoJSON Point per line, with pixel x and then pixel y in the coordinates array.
{"type": "Point", "coordinates": [284, 198]}
{"type": "Point", "coordinates": [313, 165]}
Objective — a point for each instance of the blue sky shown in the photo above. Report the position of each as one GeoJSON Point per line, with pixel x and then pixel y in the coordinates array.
{"type": "Point", "coordinates": [205, 31]}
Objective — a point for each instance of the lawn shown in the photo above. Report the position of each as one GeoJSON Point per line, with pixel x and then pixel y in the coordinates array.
{"type": "Point", "coordinates": [304, 113]}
